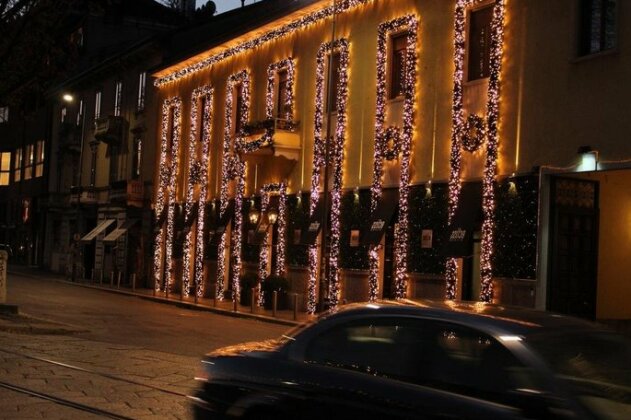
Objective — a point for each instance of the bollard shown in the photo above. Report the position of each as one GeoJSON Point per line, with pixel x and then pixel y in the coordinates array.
{"type": "Point", "coordinates": [274, 303]}
{"type": "Point", "coordinates": [83, 273]}
{"type": "Point", "coordinates": [111, 279]}
{"type": "Point", "coordinates": [118, 282]}
{"type": "Point", "coordinates": [101, 277]}
{"type": "Point", "coordinates": [215, 297]}
{"type": "Point", "coordinates": [92, 278]}
{"type": "Point", "coordinates": [295, 306]}
{"type": "Point", "coordinates": [253, 299]}
{"type": "Point", "coordinates": [133, 282]}
{"type": "Point", "coordinates": [234, 301]}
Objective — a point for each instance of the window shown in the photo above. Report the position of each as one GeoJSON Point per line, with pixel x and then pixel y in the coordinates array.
{"type": "Point", "coordinates": [97, 105]}
{"type": "Point", "coordinates": [238, 123]}
{"type": "Point", "coordinates": [30, 158]}
{"type": "Point", "coordinates": [598, 29]}
{"type": "Point", "coordinates": [479, 46]}
{"type": "Point", "coordinates": [283, 93]}
{"type": "Point", "coordinates": [80, 113]}
{"type": "Point", "coordinates": [4, 114]}
{"type": "Point", "coordinates": [142, 83]}
{"type": "Point", "coordinates": [118, 98]}
{"type": "Point", "coordinates": [5, 168]}
{"type": "Point", "coordinates": [430, 353]}
{"type": "Point", "coordinates": [137, 158]}
{"type": "Point", "coordinates": [39, 159]}
{"type": "Point", "coordinates": [398, 68]}
{"type": "Point", "coordinates": [334, 81]}
{"type": "Point", "coordinates": [64, 112]}
{"type": "Point", "coordinates": [17, 165]}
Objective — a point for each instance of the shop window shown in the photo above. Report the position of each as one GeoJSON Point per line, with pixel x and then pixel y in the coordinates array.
{"type": "Point", "coordinates": [17, 165]}
{"type": "Point", "coordinates": [142, 87]}
{"type": "Point", "coordinates": [334, 81]}
{"type": "Point", "coordinates": [118, 98]}
{"type": "Point", "coordinates": [64, 114]}
{"type": "Point", "coordinates": [30, 159]}
{"type": "Point", "coordinates": [39, 159]}
{"type": "Point", "coordinates": [80, 113]}
{"type": "Point", "coordinates": [479, 43]}
{"type": "Point", "coordinates": [283, 93]}
{"type": "Point", "coordinates": [5, 168]}
{"type": "Point", "coordinates": [598, 26]}
{"type": "Point", "coordinates": [398, 68]}
{"type": "Point", "coordinates": [4, 114]}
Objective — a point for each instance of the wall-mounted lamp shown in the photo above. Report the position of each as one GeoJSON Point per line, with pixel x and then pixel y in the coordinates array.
{"type": "Point", "coordinates": [589, 159]}
{"type": "Point", "coordinates": [512, 186]}
{"type": "Point", "coordinates": [253, 215]}
{"type": "Point", "coordinates": [67, 97]}
{"type": "Point", "coordinates": [356, 195]}
{"type": "Point", "coordinates": [272, 216]}
{"type": "Point", "coordinates": [428, 189]}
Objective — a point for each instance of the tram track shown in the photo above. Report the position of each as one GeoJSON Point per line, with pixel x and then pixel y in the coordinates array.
{"type": "Point", "coordinates": [72, 404]}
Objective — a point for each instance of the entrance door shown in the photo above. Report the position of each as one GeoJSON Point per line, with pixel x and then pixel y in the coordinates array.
{"type": "Point", "coordinates": [573, 247]}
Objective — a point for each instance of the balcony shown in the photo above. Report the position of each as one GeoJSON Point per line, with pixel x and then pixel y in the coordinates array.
{"type": "Point", "coordinates": [69, 138]}
{"type": "Point", "coordinates": [110, 130]}
{"type": "Point", "coordinates": [127, 192]}
{"type": "Point", "coordinates": [278, 147]}
{"type": "Point", "coordinates": [83, 196]}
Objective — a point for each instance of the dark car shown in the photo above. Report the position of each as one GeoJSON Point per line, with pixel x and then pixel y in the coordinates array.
{"type": "Point", "coordinates": [434, 360]}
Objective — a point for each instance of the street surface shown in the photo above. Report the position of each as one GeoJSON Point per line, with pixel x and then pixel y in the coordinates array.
{"type": "Point", "coordinates": [127, 357]}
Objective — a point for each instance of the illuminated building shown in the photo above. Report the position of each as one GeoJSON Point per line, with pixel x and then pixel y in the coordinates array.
{"type": "Point", "coordinates": [437, 113]}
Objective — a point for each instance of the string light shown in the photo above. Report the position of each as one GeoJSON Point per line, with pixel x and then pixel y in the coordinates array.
{"type": "Point", "coordinates": [296, 25]}
{"type": "Point", "coordinates": [279, 268]}
{"type": "Point", "coordinates": [319, 156]}
{"type": "Point", "coordinates": [390, 143]}
{"type": "Point", "coordinates": [198, 174]}
{"type": "Point", "coordinates": [458, 131]}
{"type": "Point", "coordinates": [233, 168]}
{"type": "Point", "coordinates": [165, 195]}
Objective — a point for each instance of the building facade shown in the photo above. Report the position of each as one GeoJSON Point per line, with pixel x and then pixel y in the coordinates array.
{"type": "Point", "coordinates": [460, 149]}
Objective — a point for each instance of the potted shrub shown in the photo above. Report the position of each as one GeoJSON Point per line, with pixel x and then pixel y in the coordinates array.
{"type": "Point", "coordinates": [247, 282]}
{"type": "Point", "coordinates": [279, 284]}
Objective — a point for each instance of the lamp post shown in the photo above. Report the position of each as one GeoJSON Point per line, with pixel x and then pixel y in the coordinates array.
{"type": "Point", "coordinates": [69, 98]}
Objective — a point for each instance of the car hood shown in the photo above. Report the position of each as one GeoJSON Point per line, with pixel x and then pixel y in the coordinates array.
{"type": "Point", "coordinates": [251, 348]}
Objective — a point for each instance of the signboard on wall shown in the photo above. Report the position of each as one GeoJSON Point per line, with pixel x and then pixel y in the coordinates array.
{"type": "Point", "coordinates": [426, 238]}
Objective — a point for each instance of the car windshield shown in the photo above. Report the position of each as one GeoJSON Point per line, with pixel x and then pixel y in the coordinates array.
{"type": "Point", "coordinates": [595, 366]}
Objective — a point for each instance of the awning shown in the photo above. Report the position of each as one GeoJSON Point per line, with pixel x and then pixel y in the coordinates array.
{"type": "Point", "coordinates": [381, 217]}
{"type": "Point", "coordinates": [120, 230]}
{"type": "Point", "coordinates": [467, 219]}
{"type": "Point", "coordinates": [309, 234]}
{"type": "Point", "coordinates": [97, 230]}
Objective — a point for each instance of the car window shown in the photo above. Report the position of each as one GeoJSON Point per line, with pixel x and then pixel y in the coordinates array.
{"type": "Point", "coordinates": [424, 352]}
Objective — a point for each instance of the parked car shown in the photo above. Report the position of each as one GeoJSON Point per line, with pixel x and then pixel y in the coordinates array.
{"type": "Point", "coordinates": [427, 360]}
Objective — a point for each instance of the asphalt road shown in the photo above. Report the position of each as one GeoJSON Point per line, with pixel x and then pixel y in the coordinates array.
{"type": "Point", "coordinates": [131, 321]}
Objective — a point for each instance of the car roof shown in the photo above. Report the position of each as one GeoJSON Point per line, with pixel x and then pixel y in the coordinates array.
{"type": "Point", "coordinates": [499, 319]}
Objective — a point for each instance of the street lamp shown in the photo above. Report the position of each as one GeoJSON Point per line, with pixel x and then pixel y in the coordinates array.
{"type": "Point", "coordinates": [253, 214]}
{"type": "Point", "coordinates": [69, 98]}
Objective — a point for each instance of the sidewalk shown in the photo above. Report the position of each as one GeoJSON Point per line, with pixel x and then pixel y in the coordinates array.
{"type": "Point", "coordinates": [226, 307]}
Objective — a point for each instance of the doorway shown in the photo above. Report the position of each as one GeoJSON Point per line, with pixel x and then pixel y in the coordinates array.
{"type": "Point", "coordinates": [574, 223]}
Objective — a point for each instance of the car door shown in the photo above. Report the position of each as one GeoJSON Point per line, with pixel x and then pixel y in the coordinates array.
{"type": "Point", "coordinates": [383, 368]}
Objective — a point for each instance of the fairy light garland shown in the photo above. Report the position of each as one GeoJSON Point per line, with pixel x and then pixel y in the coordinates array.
{"type": "Point", "coordinates": [296, 25]}
{"type": "Point", "coordinates": [198, 174]}
{"type": "Point", "coordinates": [165, 195]}
{"type": "Point", "coordinates": [337, 156]}
{"type": "Point", "coordinates": [492, 135]}
{"type": "Point", "coordinates": [279, 269]}
{"type": "Point", "coordinates": [267, 139]}
{"type": "Point", "coordinates": [401, 140]}
{"type": "Point", "coordinates": [233, 168]}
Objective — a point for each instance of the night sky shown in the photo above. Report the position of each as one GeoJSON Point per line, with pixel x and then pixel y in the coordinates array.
{"type": "Point", "coordinates": [225, 5]}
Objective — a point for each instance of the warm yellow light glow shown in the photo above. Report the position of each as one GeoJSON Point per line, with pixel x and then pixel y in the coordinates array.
{"type": "Point", "coordinates": [68, 97]}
